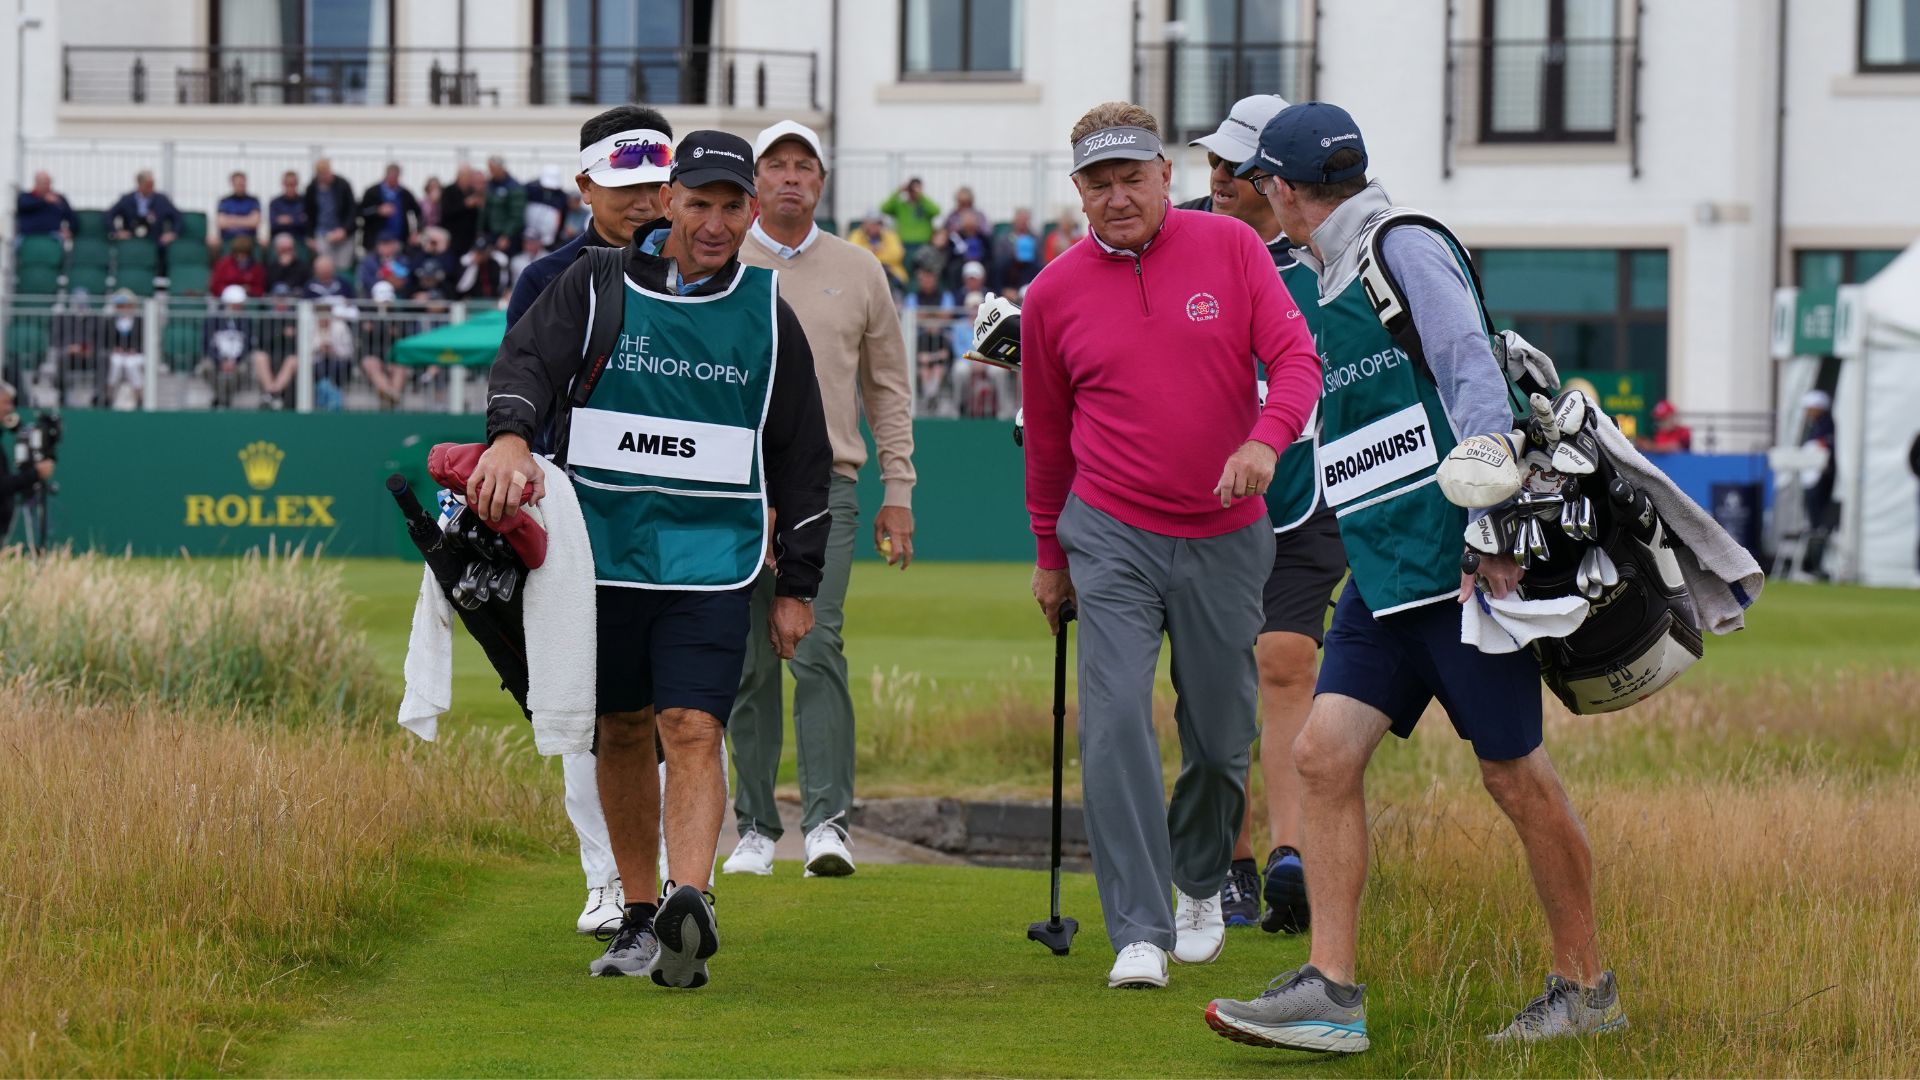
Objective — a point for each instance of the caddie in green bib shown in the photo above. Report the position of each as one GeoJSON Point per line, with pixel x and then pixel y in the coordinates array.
{"type": "Point", "coordinates": [665, 455]}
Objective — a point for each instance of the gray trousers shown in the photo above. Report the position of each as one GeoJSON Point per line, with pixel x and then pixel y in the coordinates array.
{"type": "Point", "coordinates": [822, 704]}
{"type": "Point", "coordinates": [1204, 595]}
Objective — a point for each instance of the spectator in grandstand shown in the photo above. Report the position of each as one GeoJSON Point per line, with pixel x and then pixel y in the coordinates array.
{"type": "Point", "coordinates": [239, 267]}
{"type": "Point", "coordinates": [928, 294]}
{"type": "Point", "coordinates": [546, 207]}
{"type": "Point", "coordinates": [144, 212]}
{"type": "Point", "coordinates": [388, 210]}
{"type": "Point", "coordinates": [287, 211]}
{"type": "Point", "coordinates": [330, 217]}
{"type": "Point", "coordinates": [42, 211]}
{"type": "Point", "coordinates": [431, 193]}
{"type": "Point", "coordinates": [1670, 436]}
{"type": "Point", "coordinates": [286, 266]}
{"type": "Point", "coordinates": [883, 244]}
{"type": "Point", "coordinates": [965, 212]}
{"type": "Point", "coordinates": [1067, 231]}
{"type": "Point", "coordinates": [380, 326]}
{"type": "Point", "coordinates": [504, 215]}
{"type": "Point", "coordinates": [577, 218]}
{"type": "Point", "coordinates": [531, 248]}
{"type": "Point", "coordinates": [325, 283]}
{"type": "Point", "coordinates": [123, 335]}
{"type": "Point", "coordinates": [1016, 255]}
{"type": "Point", "coordinates": [230, 342]}
{"type": "Point", "coordinates": [483, 273]}
{"type": "Point", "coordinates": [460, 207]}
{"type": "Point", "coordinates": [933, 345]}
{"type": "Point", "coordinates": [432, 265]}
{"type": "Point", "coordinates": [933, 255]}
{"type": "Point", "coordinates": [384, 262]}
{"type": "Point", "coordinates": [237, 213]}
{"type": "Point", "coordinates": [74, 335]}
{"type": "Point", "coordinates": [913, 212]}
{"type": "Point", "coordinates": [969, 241]}
{"type": "Point", "coordinates": [277, 360]}
{"type": "Point", "coordinates": [973, 290]}
{"type": "Point", "coordinates": [333, 349]}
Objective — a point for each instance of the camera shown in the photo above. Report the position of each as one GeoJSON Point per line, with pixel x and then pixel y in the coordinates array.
{"type": "Point", "coordinates": [37, 440]}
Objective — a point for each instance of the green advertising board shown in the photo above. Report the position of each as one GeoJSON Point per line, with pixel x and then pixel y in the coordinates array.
{"type": "Point", "coordinates": [225, 482]}
{"type": "Point", "coordinates": [1813, 321]}
{"type": "Point", "coordinates": [1621, 394]}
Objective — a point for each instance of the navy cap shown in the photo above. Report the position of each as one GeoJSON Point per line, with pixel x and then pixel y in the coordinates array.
{"type": "Point", "coordinates": [1297, 142]}
{"type": "Point", "coordinates": [708, 157]}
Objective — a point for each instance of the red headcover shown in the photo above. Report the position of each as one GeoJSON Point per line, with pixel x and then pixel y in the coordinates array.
{"type": "Point", "coordinates": [451, 464]}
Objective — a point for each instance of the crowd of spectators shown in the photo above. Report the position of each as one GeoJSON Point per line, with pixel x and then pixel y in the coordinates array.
{"type": "Point", "coordinates": [468, 239]}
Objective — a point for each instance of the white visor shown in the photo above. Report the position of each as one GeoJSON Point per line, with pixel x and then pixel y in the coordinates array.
{"type": "Point", "coordinates": [645, 157]}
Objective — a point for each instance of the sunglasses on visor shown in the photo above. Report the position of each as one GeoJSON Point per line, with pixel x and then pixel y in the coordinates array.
{"type": "Point", "coordinates": [635, 154]}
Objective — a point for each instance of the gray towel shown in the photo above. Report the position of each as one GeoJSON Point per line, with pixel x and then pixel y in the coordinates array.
{"type": "Point", "coordinates": [1720, 573]}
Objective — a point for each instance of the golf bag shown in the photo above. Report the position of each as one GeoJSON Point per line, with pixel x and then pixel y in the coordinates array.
{"type": "Point", "coordinates": [1611, 548]}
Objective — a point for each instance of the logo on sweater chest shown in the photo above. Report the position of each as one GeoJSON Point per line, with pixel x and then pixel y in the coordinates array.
{"type": "Point", "coordinates": [1203, 307]}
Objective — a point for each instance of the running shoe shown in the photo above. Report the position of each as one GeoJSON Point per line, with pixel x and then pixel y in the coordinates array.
{"type": "Point", "coordinates": [1567, 1008]}
{"type": "Point", "coordinates": [631, 947]}
{"type": "Point", "coordinates": [1240, 894]}
{"type": "Point", "coordinates": [688, 936]}
{"type": "Point", "coordinates": [1286, 893]}
{"type": "Point", "coordinates": [1301, 1010]}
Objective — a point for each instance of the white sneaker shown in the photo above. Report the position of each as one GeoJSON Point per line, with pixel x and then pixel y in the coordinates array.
{"type": "Point", "coordinates": [827, 854]}
{"type": "Point", "coordinates": [1199, 928]}
{"type": "Point", "coordinates": [1139, 965]}
{"type": "Point", "coordinates": [752, 855]}
{"type": "Point", "coordinates": [605, 904]}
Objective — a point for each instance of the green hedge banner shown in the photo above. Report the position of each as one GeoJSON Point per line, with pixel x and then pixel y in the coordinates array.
{"type": "Point", "coordinates": [222, 483]}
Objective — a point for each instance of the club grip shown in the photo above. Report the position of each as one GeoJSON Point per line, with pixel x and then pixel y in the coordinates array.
{"type": "Point", "coordinates": [419, 522]}
{"type": "Point", "coordinates": [1067, 612]}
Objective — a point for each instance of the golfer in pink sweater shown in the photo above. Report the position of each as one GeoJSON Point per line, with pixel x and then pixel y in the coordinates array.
{"type": "Point", "coordinates": [1147, 452]}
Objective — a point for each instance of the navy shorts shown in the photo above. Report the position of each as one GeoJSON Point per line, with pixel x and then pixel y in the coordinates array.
{"type": "Point", "coordinates": [1402, 661]}
{"type": "Point", "coordinates": [670, 649]}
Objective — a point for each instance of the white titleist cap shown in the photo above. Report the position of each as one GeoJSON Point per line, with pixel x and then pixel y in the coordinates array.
{"type": "Point", "coordinates": [1239, 134]}
{"type": "Point", "coordinates": [640, 156]}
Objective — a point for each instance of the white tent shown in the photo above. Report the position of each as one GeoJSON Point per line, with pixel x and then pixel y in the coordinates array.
{"type": "Point", "coordinates": [1877, 417]}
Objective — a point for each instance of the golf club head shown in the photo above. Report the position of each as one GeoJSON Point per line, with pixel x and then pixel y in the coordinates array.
{"type": "Point", "coordinates": [1605, 567]}
{"type": "Point", "coordinates": [1057, 936]}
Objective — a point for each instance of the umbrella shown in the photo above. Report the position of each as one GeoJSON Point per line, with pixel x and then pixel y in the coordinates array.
{"type": "Point", "coordinates": [466, 344]}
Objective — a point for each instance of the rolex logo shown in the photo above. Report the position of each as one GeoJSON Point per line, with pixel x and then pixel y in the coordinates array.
{"type": "Point", "coordinates": [261, 462]}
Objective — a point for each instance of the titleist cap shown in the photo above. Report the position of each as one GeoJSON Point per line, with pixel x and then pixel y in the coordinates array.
{"type": "Point", "coordinates": [1115, 144]}
{"type": "Point", "coordinates": [639, 156]}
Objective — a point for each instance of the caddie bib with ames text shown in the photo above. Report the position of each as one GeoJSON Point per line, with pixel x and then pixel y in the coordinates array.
{"type": "Point", "coordinates": [665, 454]}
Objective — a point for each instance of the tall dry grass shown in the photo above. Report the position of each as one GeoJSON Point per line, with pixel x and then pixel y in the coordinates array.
{"type": "Point", "coordinates": [175, 855]}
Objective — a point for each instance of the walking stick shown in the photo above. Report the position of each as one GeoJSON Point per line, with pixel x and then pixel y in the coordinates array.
{"type": "Point", "coordinates": [1057, 932]}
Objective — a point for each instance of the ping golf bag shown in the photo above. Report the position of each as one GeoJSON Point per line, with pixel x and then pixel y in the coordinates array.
{"type": "Point", "coordinates": [1577, 527]}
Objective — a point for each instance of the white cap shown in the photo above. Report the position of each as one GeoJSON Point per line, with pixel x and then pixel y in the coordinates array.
{"type": "Point", "coordinates": [382, 290]}
{"type": "Point", "coordinates": [1239, 133]}
{"type": "Point", "coordinates": [233, 294]}
{"type": "Point", "coordinates": [1816, 399]}
{"type": "Point", "coordinates": [787, 129]}
{"type": "Point", "coordinates": [973, 269]}
{"type": "Point", "coordinates": [550, 176]}
{"type": "Point", "coordinates": [647, 157]}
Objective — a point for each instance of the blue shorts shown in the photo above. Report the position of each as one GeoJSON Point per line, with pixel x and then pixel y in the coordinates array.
{"type": "Point", "coordinates": [670, 649]}
{"type": "Point", "coordinates": [1400, 662]}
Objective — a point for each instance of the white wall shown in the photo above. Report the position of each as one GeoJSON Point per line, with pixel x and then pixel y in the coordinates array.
{"type": "Point", "coordinates": [1852, 145]}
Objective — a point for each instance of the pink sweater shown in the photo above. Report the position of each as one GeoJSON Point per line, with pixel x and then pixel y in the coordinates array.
{"type": "Point", "coordinates": [1138, 380]}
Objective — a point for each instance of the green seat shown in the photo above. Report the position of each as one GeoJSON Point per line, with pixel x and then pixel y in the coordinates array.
{"type": "Point", "coordinates": [27, 339]}
{"type": "Point", "coordinates": [136, 280]}
{"type": "Point", "coordinates": [37, 281]}
{"type": "Point", "coordinates": [186, 252]}
{"type": "Point", "coordinates": [193, 225]}
{"type": "Point", "coordinates": [90, 251]}
{"type": "Point", "coordinates": [188, 279]}
{"type": "Point", "coordinates": [91, 224]}
{"type": "Point", "coordinates": [135, 253]}
{"type": "Point", "coordinates": [41, 251]}
{"type": "Point", "coordinates": [91, 278]}
{"type": "Point", "coordinates": [182, 341]}
{"type": "Point", "coordinates": [1002, 229]}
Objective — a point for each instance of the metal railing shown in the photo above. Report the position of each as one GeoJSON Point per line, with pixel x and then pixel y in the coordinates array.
{"type": "Point", "coordinates": [1573, 90]}
{"type": "Point", "coordinates": [946, 385]}
{"type": "Point", "coordinates": [1192, 85]}
{"type": "Point", "coordinates": [449, 77]}
{"type": "Point", "coordinates": [193, 354]}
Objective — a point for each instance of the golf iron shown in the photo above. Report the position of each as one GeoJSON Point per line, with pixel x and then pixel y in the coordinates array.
{"type": "Point", "coordinates": [1056, 933]}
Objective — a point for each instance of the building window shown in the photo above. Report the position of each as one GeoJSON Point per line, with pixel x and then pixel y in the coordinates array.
{"type": "Point", "coordinates": [1551, 71]}
{"type": "Point", "coordinates": [1890, 35]}
{"type": "Point", "coordinates": [302, 51]}
{"type": "Point", "coordinates": [1826, 271]}
{"type": "Point", "coordinates": [1224, 50]}
{"type": "Point", "coordinates": [961, 39]}
{"type": "Point", "coordinates": [610, 52]}
{"type": "Point", "coordinates": [1600, 313]}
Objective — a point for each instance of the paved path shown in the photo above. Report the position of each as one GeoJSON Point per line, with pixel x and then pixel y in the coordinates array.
{"type": "Point", "coordinates": [867, 846]}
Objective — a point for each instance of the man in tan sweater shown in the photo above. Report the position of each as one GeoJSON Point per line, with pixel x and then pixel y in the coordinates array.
{"type": "Point", "coordinates": [841, 296]}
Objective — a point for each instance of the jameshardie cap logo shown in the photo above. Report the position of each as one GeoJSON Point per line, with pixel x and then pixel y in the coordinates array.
{"type": "Point", "coordinates": [1202, 307]}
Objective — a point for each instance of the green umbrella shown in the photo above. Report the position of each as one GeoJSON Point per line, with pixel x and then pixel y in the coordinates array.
{"type": "Point", "coordinates": [468, 344]}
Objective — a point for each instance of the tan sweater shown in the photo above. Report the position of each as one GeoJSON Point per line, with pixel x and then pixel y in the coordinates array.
{"type": "Point", "coordinates": [840, 294]}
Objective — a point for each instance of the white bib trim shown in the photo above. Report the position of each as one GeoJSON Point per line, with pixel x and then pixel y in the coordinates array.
{"type": "Point", "coordinates": [1391, 448]}
{"type": "Point", "coordinates": [660, 446]}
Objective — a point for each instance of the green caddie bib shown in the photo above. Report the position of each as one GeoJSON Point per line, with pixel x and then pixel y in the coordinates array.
{"type": "Point", "coordinates": [665, 455]}
{"type": "Point", "coordinates": [1383, 432]}
{"type": "Point", "coordinates": [1295, 492]}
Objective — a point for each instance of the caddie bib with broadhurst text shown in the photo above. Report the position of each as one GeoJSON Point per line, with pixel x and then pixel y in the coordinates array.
{"type": "Point", "coordinates": [665, 454]}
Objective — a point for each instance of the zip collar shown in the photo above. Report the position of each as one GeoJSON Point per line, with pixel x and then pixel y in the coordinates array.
{"type": "Point", "coordinates": [1165, 229]}
{"type": "Point", "coordinates": [653, 272]}
{"type": "Point", "coordinates": [1339, 235]}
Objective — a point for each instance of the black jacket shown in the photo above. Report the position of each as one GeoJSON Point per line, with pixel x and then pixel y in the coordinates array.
{"type": "Point", "coordinates": [540, 357]}
{"type": "Point", "coordinates": [373, 222]}
{"type": "Point", "coordinates": [341, 193]}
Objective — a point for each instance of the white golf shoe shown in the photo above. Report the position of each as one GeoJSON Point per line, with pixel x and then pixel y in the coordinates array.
{"type": "Point", "coordinates": [1199, 928]}
{"type": "Point", "coordinates": [606, 905]}
{"type": "Point", "coordinates": [827, 854]}
{"type": "Point", "coordinates": [752, 855]}
{"type": "Point", "coordinates": [1139, 966]}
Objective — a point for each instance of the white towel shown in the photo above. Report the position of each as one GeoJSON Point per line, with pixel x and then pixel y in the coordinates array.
{"type": "Point", "coordinates": [1510, 624]}
{"type": "Point", "coordinates": [429, 664]}
{"type": "Point", "coordinates": [559, 618]}
{"type": "Point", "coordinates": [1720, 573]}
